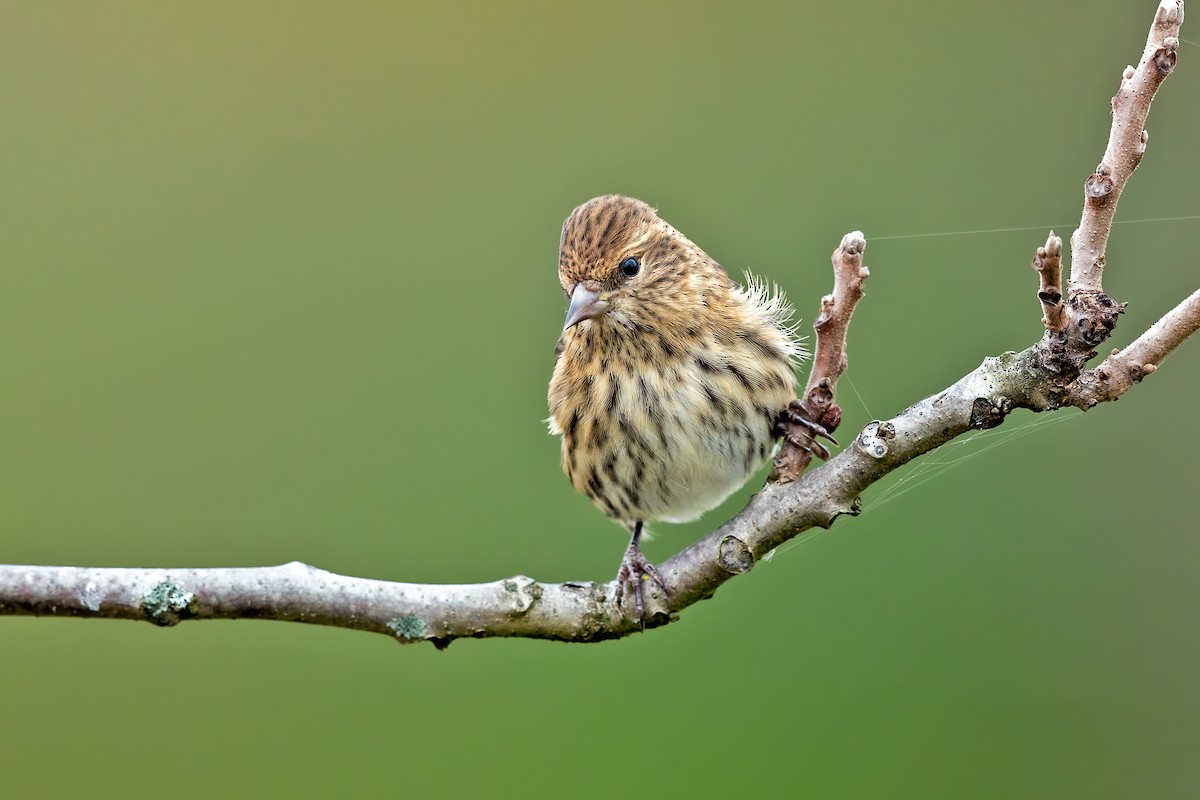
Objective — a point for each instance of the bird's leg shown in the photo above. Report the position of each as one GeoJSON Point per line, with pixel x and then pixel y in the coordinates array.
{"type": "Point", "coordinates": [800, 429]}
{"type": "Point", "coordinates": [634, 567]}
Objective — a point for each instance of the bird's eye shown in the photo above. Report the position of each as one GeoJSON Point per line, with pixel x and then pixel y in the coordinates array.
{"type": "Point", "coordinates": [630, 267]}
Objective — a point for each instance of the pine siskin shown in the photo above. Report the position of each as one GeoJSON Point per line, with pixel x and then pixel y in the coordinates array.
{"type": "Point", "coordinates": [670, 380]}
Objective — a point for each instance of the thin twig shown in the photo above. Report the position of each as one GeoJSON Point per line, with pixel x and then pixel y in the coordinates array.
{"type": "Point", "coordinates": [1048, 263]}
{"type": "Point", "coordinates": [1126, 146]}
{"type": "Point", "coordinates": [829, 362]}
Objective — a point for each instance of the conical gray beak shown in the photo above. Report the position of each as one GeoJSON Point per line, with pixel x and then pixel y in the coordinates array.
{"type": "Point", "coordinates": [585, 304]}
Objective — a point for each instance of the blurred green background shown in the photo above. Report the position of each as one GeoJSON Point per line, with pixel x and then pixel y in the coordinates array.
{"type": "Point", "coordinates": [277, 281]}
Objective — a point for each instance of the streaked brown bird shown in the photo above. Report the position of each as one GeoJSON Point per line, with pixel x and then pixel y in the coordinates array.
{"type": "Point", "coordinates": [670, 379]}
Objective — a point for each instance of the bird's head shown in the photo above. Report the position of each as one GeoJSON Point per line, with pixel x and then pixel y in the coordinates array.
{"type": "Point", "coordinates": [617, 259]}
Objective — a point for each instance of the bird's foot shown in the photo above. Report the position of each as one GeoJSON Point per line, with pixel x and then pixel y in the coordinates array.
{"type": "Point", "coordinates": [799, 429]}
{"type": "Point", "coordinates": [635, 567]}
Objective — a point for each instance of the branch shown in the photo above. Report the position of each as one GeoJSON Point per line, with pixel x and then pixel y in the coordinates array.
{"type": "Point", "coordinates": [296, 592]}
{"type": "Point", "coordinates": [1047, 376]}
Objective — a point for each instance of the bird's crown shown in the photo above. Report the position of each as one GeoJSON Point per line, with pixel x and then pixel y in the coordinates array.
{"type": "Point", "coordinates": [610, 239]}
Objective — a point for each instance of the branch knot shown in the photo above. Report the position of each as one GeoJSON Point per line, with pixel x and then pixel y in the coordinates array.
{"type": "Point", "coordinates": [1098, 186]}
{"type": "Point", "coordinates": [875, 439]}
{"type": "Point", "coordinates": [1095, 315]}
{"type": "Point", "coordinates": [734, 556]}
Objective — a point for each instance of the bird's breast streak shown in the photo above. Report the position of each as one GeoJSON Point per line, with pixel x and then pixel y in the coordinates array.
{"type": "Point", "coordinates": [674, 454]}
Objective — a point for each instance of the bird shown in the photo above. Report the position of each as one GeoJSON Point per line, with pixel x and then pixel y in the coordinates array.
{"type": "Point", "coordinates": [671, 382]}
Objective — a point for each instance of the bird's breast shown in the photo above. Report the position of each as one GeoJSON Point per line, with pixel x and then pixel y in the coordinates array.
{"type": "Point", "coordinates": [660, 429]}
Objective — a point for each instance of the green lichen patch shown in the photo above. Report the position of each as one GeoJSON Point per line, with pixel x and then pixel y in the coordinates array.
{"type": "Point", "coordinates": [166, 604]}
{"type": "Point", "coordinates": [407, 627]}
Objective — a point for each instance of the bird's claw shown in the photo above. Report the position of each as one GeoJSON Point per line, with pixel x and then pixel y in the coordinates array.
{"type": "Point", "coordinates": [796, 413]}
{"type": "Point", "coordinates": [795, 416]}
{"type": "Point", "coordinates": [635, 567]}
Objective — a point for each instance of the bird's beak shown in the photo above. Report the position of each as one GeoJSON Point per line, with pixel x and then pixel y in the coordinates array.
{"type": "Point", "coordinates": [585, 304]}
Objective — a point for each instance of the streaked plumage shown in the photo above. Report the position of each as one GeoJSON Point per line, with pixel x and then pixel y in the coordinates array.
{"type": "Point", "coordinates": [668, 383]}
